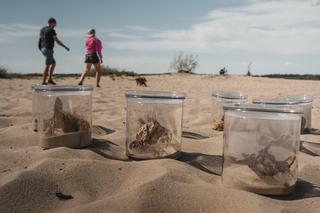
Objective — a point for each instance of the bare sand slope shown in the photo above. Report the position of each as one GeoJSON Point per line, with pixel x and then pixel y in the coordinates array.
{"type": "Point", "coordinates": [101, 178]}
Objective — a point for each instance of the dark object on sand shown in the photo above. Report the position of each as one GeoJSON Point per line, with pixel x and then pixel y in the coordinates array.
{"type": "Point", "coordinates": [249, 66]}
{"type": "Point", "coordinates": [223, 71]}
{"type": "Point", "coordinates": [63, 196]}
{"type": "Point", "coordinates": [141, 81]}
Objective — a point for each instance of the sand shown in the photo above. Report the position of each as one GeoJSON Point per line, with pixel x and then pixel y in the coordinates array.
{"type": "Point", "coordinates": [101, 178]}
{"type": "Point", "coordinates": [77, 139]}
{"type": "Point", "coordinates": [242, 177]}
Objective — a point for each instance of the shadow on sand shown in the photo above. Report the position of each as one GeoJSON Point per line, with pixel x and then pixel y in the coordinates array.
{"type": "Point", "coordinates": [100, 130]}
{"type": "Point", "coordinates": [108, 149]}
{"type": "Point", "coordinates": [304, 189]}
{"type": "Point", "coordinates": [192, 135]}
{"type": "Point", "coordinates": [211, 164]}
{"type": "Point", "coordinates": [313, 132]}
{"type": "Point", "coordinates": [310, 148]}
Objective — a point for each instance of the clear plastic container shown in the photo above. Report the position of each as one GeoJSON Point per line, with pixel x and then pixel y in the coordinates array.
{"type": "Point", "coordinates": [303, 103]}
{"type": "Point", "coordinates": [221, 98]}
{"type": "Point", "coordinates": [260, 148]}
{"type": "Point", "coordinates": [63, 115]}
{"type": "Point", "coordinates": [154, 124]}
{"type": "Point", "coordinates": [35, 104]}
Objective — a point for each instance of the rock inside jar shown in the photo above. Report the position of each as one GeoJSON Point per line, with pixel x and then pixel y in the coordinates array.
{"type": "Point", "coordinates": [154, 138]}
{"type": "Point", "coordinates": [218, 123]}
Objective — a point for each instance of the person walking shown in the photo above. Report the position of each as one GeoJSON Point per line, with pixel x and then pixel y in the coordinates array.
{"type": "Point", "coordinates": [47, 38]}
{"type": "Point", "coordinates": [93, 56]}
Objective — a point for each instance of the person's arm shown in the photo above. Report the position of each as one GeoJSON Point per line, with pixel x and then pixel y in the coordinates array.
{"type": "Point", "coordinates": [60, 43]}
{"type": "Point", "coordinates": [99, 48]}
{"type": "Point", "coordinates": [39, 40]}
{"type": "Point", "coordinates": [39, 43]}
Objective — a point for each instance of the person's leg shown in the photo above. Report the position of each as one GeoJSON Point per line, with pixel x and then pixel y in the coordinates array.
{"type": "Point", "coordinates": [51, 70]}
{"type": "Point", "coordinates": [97, 67]}
{"type": "Point", "coordinates": [45, 73]}
{"type": "Point", "coordinates": [85, 72]}
{"type": "Point", "coordinates": [52, 61]}
{"type": "Point", "coordinates": [47, 65]}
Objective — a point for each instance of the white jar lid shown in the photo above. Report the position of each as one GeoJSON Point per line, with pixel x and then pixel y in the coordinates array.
{"type": "Point", "coordinates": [261, 108]}
{"type": "Point", "coordinates": [229, 95]}
{"type": "Point", "coordinates": [284, 100]}
{"type": "Point", "coordinates": [60, 88]}
{"type": "Point", "coordinates": [154, 94]}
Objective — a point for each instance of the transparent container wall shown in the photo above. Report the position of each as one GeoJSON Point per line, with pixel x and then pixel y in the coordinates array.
{"type": "Point", "coordinates": [218, 113]}
{"type": "Point", "coordinates": [306, 119]}
{"type": "Point", "coordinates": [154, 127]}
{"type": "Point", "coordinates": [35, 103]}
{"type": "Point", "coordinates": [64, 118]}
{"type": "Point", "coordinates": [260, 151]}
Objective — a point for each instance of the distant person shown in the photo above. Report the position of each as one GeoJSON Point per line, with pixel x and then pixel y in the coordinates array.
{"type": "Point", "coordinates": [46, 44]}
{"type": "Point", "coordinates": [93, 56]}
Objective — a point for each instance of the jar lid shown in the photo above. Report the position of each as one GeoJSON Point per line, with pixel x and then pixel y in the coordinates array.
{"type": "Point", "coordinates": [229, 95]}
{"type": "Point", "coordinates": [154, 94]}
{"type": "Point", "coordinates": [33, 86]}
{"type": "Point", "coordinates": [284, 100]}
{"type": "Point", "coordinates": [261, 108]}
{"type": "Point", "coordinates": [60, 88]}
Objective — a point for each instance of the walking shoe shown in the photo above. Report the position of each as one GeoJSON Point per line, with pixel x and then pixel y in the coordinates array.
{"type": "Point", "coordinates": [51, 82]}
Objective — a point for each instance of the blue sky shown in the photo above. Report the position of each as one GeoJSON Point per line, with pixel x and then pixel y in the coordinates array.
{"type": "Point", "coordinates": [280, 36]}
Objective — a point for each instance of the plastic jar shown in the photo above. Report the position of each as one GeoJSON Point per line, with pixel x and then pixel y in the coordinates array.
{"type": "Point", "coordinates": [35, 104]}
{"type": "Point", "coordinates": [154, 124]}
{"type": "Point", "coordinates": [63, 115]}
{"type": "Point", "coordinates": [260, 148]}
{"type": "Point", "coordinates": [220, 98]}
{"type": "Point", "coordinates": [303, 103]}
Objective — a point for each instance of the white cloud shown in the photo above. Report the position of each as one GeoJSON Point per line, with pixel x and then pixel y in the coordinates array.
{"type": "Point", "coordinates": [315, 2]}
{"type": "Point", "coordinates": [146, 64]}
{"type": "Point", "coordinates": [124, 36]}
{"type": "Point", "coordinates": [9, 32]}
{"type": "Point", "coordinates": [138, 28]}
{"type": "Point", "coordinates": [276, 27]}
{"type": "Point", "coordinates": [291, 64]}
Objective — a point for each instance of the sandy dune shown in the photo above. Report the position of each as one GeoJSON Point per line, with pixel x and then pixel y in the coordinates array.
{"type": "Point", "coordinates": [101, 178]}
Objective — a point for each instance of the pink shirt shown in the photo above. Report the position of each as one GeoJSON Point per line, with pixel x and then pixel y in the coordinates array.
{"type": "Point", "coordinates": [93, 45]}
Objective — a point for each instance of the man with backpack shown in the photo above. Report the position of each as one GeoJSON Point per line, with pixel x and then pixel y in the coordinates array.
{"type": "Point", "coordinates": [47, 38]}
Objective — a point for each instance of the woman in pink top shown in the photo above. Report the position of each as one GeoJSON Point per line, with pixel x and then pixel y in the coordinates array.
{"type": "Point", "coordinates": [93, 56]}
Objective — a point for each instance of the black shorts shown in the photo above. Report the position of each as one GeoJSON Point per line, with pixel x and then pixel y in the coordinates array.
{"type": "Point", "coordinates": [92, 59]}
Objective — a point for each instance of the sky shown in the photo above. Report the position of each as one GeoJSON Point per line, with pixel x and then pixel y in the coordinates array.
{"type": "Point", "coordinates": [277, 36]}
